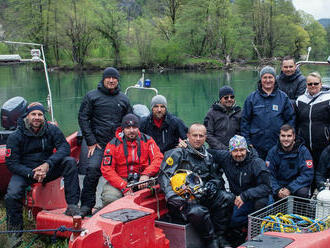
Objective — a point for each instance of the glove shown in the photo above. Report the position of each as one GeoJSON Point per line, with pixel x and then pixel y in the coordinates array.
{"type": "Point", "coordinates": [176, 202]}
{"type": "Point", "coordinates": [211, 189]}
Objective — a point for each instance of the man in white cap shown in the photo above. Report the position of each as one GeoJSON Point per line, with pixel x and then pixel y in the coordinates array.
{"type": "Point", "coordinates": [165, 128]}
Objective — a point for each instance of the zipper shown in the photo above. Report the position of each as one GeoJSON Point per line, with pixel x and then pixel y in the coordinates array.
{"type": "Point", "coordinates": [133, 158]}
{"type": "Point", "coordinates": [310, 127]}
{"type": "Point", "coordinates": [240, 179]}
{"type": "Point", "coordinates": [163, 135]}
{"type": "Point", "coordinates": [43, 144]}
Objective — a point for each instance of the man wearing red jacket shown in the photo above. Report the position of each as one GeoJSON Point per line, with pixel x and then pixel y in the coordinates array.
{"type": "Point", "coordinates": [129, 157]}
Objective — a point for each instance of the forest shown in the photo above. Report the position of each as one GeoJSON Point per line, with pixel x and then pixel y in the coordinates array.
{"type": "Point", "coordinates": [163, 33]}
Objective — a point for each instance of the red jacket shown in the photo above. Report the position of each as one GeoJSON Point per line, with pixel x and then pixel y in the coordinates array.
{"type": "Point", "coordinates": [114, 163]}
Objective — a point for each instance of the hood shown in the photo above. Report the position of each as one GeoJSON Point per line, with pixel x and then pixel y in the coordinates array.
{"type": "Point", "coordinates": [100, 87]}
{"type": "Point", "coordinates": [120, 134]}
{"type": "Point", "coordinates": [290, 78]}
{"type": "Point", "coordinates": [201, 153]}
{"type": "Point", "coordinates": [262, 93]}
{"type": "Point", "coordinates": [219, 107]}
{"type": "Point", "coordinates": [324, 90]}
{"type": "Point", "coordinates": [299, 142]}
{"type": "Point", "coordinates": [22, 126]}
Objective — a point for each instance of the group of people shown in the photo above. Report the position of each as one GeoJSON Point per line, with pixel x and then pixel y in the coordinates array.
{"type": "Point", "coordinates": [268, 150]}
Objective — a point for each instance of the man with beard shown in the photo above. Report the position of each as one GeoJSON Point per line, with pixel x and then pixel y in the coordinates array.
{"type": "Point", "coordinates": [247, 176]}
{"type": "Point", "coordinates": [30, 157]}
{"type": "Point", "coordinates": [290, 165]}
{"type": "Point", "coordinates": [100, 114]}
{"type": "Point", "coordinates": [291, 81]}
{"type": "Point", "coordinates": [222, 121]}
{"type": "Point", "coordinates": [131, 156]}
{"type": "Point", "coordinates": [209, 214]}
{"type": "Point", "coordinates": [165, 128]}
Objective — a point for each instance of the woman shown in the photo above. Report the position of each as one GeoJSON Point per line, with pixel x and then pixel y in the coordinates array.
{"type": "Point", "coordinates": [313, 115]}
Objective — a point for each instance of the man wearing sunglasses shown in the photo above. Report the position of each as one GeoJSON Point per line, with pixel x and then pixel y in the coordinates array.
{"type": "Point", "coordinates": [222, 121]}
{"type": "Point", "coordinates": [313, 116]}
{"type": "Point", "coordinates": [290, 80]}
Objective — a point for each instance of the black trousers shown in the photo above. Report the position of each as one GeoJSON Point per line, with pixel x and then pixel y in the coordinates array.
{"type": "Point", "coordinates": [17, 186]}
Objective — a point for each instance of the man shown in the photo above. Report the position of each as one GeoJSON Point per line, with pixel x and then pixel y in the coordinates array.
{"type": "Point", "coordinates": [131, 156]}
{"type": "Point", "coordinates": [291, 81]}
{"type": "Point", "coordinates": [222, 121]}
{"type": "Point", "coordinates": [290, 165]}
{"type": "Point", "coordinates": [247, 176]}
{"type": "Point", "coordinates": [165, 128]}
{"type": "Point", "coordinates": [100, 114]}
{"type": "Point", "coordinates": [31, 158]}
{"type": "Point", "coordinates": [322, 172]}
{"type": "Point", "coordinates": [209, 214]}
{"type": "Point", "coordinates": [265, 111]}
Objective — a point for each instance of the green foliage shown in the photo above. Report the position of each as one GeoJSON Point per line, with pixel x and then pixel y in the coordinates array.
{"type": "Point", "coordinates": [318, 40]}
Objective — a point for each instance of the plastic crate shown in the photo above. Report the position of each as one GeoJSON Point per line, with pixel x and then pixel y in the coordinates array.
{"type": "Point", "coordinates": [317, 213]}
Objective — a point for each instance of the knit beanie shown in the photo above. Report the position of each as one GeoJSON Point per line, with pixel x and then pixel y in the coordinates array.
{"type": "Point", "coordinates": [111, 72]}
{"type": "Point", "coordinates": [268, 69]}
{"type": "Point", "coordinates": [159, 99]}
{"type": "Point", "coordinates": [130, 120]}
{"type": "Point", "coordinates": [237, 142]}
{"type": "Point", "coordinates": [225, 90]}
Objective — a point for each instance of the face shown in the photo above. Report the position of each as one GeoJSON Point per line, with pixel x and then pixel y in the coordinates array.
{"type": "Point", "coordinates": [197, 136]}
{"type": "Point", "coordinates": [131, 133]}
{"type": "Point", "coordinates": [288, 67]}
{"type": "Point", "coordinates": [36, 119]}
{"type": "Point", "coordinates": [239, 154]}
{"type": "Point", "coordinates": [110, 83]}
{"type": "Point", "coordinates": [314, 85]}
{"type": "Point", "coordinates": [267, 82]}
{"type": "Point", "coordinates": [287, 139]}
{"type": "Point", "coordinates": [228, 101]}
{"type": "Point", "coordinates": [159, 111]}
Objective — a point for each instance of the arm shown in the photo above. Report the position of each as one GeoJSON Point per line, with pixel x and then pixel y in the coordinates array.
{"type": "Point", "coordinates": [84, 118]}
{"type": "Point", "coordinates": [155, 157]}
{"type": "Point", "coordinates": [322, 169]}
{"type": "Point", "coordinates": [306, 172]}
{"type": "Point", "coordinates": [61, 145]}
{"type": "Point", "coordinates": [301, 87]}
{"type": "Point", "coordinates": [272, 165]}
{"type": "Point", "coordinates": [108, 168]}
{"type": "Point", "coordinates": [289, 113]}
{"type": "Point", "coordinates": [246, 120]}
{"type": "Point", "coordinates": [13, 157]}
{"type": "Point", "coordinates": [210, 138]}
{"type": "Point", "coordinates": [182, 129]}
{"type": "Point", "coordinates": [262, 188]}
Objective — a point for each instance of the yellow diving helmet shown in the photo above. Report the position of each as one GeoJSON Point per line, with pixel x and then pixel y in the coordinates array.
{"type": "Point", "coordinates": [186, 184]}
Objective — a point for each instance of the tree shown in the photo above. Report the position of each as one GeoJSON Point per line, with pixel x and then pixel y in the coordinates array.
{"type": "Point", "coordinates": [318, 41]}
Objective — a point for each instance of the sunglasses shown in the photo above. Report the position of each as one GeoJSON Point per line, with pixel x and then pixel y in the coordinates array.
{"type": "Point", "coordinates": [227, 97]}
{"type": "Point", "coordinates": [315, 84]}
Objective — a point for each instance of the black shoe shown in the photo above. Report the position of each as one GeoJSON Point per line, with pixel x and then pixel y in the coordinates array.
{"type": "Point", "coordinates": [72, 210]}
{"type": "Point", "coordinates": [85, 211]}
{"type": "Point", "coordinates": [223, 243]}
{"type": "Point", "coordinates": [212, 244]}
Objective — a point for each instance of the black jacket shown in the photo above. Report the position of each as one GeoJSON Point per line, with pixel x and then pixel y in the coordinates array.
{"type": "Point", "coordinates": [100, 114]}
{"type": "Point", "coordinates": [249, 179]}
{"type": "Point", "coordinates": [221, 125]}
{"type": "Point", "coordinates": [26, 150]}
{"type": "Point", "coordinates": [322, 172]}
{"type": "Point", "coordinates": [186, 158]}
{"type": "Point", "coordinates": [167, 136]}
{"type": "Point", "coordinates": [293, 86]}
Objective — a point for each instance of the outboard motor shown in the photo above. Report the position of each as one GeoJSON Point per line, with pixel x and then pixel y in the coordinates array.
{"type": "Point", "coordinates": [11, 110]}
{"type": "Point", "coordinates": [141, 110]}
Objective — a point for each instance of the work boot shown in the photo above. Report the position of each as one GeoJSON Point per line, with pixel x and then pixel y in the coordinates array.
{"type": "Point", "coordinates": [212, 244]}
{"type": "Point", "coordinates": [72, 210]}
{"type": "Point", "coordinates": [85, 211]}
{"type": "Point", "coordinates": [223, 243]}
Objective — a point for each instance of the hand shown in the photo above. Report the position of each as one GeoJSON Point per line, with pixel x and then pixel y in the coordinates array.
{"type": "Point", "coordinates": [91, 149]}
{"type": "Point", "coordinates": [143, 185]}
{"type": "Point", "coordinates": [211, 189]}
{"type": "Point", "coordinates": [176, 202]}
{"type": "Point", "coordinates": [182, 143]}
{"type": "Point", "coordinates": [284, 192]}
{"type": "Point", "coordinates": [238, 202]}
{"type": "Point", "coordinates": [40, 172]}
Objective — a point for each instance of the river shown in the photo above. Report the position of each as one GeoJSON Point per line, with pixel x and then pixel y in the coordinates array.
{"type": "Point", "coordinates": [189, 94]}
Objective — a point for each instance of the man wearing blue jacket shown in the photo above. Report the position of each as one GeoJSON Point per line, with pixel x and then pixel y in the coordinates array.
{"type": "Point", "coordinates": [265, 111]}
{"type": "Point", "coordinates": [291, 166]}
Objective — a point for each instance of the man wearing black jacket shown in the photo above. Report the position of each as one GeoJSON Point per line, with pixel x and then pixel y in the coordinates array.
{"type": "Point", "coordinates": [100, 114]}
{"type": "Point", "coordinates": [30, 158]}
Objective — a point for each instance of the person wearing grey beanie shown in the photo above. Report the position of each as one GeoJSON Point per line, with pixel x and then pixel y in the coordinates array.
{"type": "Point", "coordinates": [267, 69]}
{"type": "Point", "coordinates": [165, 128]}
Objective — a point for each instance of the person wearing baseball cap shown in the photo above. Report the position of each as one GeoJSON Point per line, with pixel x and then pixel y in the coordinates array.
{"type": "Point", "coordinates": [130, 157]}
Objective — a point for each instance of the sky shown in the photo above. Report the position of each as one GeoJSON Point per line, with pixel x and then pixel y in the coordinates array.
{"type": "Point", "coordinates": [318, 8]}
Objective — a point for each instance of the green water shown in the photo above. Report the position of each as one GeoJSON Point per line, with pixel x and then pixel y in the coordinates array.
{"type": "Point", "coordinates": [189, 94]}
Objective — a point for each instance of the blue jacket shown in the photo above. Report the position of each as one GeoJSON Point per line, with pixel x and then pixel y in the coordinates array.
{"type": "Point", "coordinates": [262, 117]}
{"type": "Point", "coordinates": [293, 170]}
{"type": "Point", "coordinates": [249, 179]}
{"type": "Point", "coordinates": [167, 136]}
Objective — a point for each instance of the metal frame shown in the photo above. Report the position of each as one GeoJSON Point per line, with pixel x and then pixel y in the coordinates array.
{"type": "Point", "coordinates": [140, 88]}
{"type": "Point", "coordinates": [43, 61]}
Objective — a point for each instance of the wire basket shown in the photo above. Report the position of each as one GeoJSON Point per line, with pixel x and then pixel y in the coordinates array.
{"type": "Point", "coordinates": [291, 214]}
